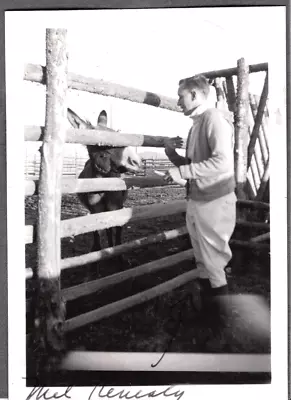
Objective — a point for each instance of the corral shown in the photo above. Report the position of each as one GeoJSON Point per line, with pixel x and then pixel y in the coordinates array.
{"type": "Point", "coordinates": [147, 325]}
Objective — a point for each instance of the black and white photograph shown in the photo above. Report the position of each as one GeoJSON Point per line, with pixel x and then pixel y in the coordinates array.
{"type": "Point", "coordinates": [147, 173]}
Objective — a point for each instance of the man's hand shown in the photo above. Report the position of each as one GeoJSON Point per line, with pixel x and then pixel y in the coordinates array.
{"type": "Point", "coordinates": [173, 143]}
{"type": "Point", "coordinates": [173, 176]}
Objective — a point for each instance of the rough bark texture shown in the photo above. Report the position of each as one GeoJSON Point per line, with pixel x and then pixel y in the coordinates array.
{"type": "Point", "coordinates": [241, 128]}
{"type": "Point", "coordinates": [99, 136]}
{"type": "Point", "coordinates": [49, 309]}
{"type": "Point", "coordinates": [36, 73]}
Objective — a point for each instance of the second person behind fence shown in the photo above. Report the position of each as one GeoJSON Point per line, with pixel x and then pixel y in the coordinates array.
{"type": "Point", "coordinates": [211, 201]}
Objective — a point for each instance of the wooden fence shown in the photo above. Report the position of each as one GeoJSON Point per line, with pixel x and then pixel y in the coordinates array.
{"type": "Point", "coordinates": [46, 341]}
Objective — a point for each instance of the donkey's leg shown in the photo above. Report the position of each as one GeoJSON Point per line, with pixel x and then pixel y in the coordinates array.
{"type": "Point", "coordinates": [109, 232]}
{"type": "Point", "coordinates": [118, 235]}
{"type": "Point", "coordinates": [93, 267]}
{"type": "Point", "coordinates": [119, 229]}
{"type": "Point", "coordinates": [96, 206]}
{"type": "Point", "coordinates": [114, 201]}
{"type": "Point", "coordinates": [114, 239]}
{"type": "Point", "coordinates": [96, 241]}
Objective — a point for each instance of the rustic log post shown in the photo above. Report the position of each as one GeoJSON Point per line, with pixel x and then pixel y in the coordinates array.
{"type": "Point", "coordinates": [49, 309]}
{"type": "Point", "coordinates": [230, 92]}
{"type": "Point", "coordinates": [241, 127]}
{"type": "Point", "coordinates": [258, 120]}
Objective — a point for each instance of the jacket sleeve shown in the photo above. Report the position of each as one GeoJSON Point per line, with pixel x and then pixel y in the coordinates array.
{"type": "Point", "coordinates": [220, 139]}
{"type": "Point", "coordinates": [175, 158]}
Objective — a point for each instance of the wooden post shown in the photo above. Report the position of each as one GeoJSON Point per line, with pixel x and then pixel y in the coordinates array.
{"type": "Point", "coordinates": [241, 127]}
{"type": "Point", "coordinates": [258, 120]}
{"type": "Point", "coordinates": [49, 310]}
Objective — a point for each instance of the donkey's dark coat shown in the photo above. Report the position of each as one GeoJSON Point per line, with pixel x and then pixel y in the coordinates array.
{"type": "Point", "coordinates": [104, 162]}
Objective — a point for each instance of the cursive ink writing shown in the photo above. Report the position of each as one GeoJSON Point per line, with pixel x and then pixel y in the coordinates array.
{"type": "Point", "coordinates": [110, 393]}
{"type": "Point", "coordinates": [45, 394]}
{"type": "Point", "coordinates": [177, 326]}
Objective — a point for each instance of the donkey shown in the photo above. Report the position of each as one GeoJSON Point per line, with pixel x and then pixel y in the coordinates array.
{"type": "Point", "coordinates": [104, 162]}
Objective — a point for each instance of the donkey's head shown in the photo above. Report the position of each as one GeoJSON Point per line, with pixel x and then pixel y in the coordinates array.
{"type": "Point", "coordinates": [106, 159]}
{"type": "Point", "coordinates": [125, 159]}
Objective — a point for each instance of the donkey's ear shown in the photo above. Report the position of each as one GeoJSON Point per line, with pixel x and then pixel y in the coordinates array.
{"type": "Point", "coordinates": [76, 121]}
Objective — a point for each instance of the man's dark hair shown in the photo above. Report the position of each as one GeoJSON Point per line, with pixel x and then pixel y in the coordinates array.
{"type": "Point", "coordinates": [199, 82]}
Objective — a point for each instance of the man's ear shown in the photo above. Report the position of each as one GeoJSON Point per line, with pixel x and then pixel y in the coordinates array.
{"type": "Point", "coordinates": [193, 94]}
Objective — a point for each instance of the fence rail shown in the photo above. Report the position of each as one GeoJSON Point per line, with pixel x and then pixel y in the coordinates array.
{"type": "Point", "coordinates": [88, 223]}
{"type": "Point", "coordinates": [37, 73]}
{"type": "Point", "coordinates": [198, 362]}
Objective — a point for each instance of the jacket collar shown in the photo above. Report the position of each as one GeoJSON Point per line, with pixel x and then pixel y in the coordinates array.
{"type": "Point", "coordinates": [199, 110]}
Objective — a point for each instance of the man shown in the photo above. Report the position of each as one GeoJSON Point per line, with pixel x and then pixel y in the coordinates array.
{"type": "Point", "coordinates": [208, 169]}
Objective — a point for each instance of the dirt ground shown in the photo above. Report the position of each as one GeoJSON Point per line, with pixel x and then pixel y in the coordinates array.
{"type": "Point", "coordinates": [151, 326]}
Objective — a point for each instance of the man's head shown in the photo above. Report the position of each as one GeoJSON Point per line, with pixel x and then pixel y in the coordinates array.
{"type": "Point", "coordinates": [192, 93]}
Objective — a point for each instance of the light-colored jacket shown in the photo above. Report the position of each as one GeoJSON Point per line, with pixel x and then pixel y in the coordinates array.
{"type": "Point", "coordinates": [209, 163]}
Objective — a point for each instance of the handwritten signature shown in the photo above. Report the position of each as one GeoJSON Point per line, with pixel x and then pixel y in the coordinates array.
{"type": "Point", "coordinates": [47, 394]}
{"type": "Point", "coordinates": [40, 393]}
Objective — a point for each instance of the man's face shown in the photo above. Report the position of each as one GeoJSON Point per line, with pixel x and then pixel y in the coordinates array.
{"type": "Point", "coordinates": [189, 100]}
